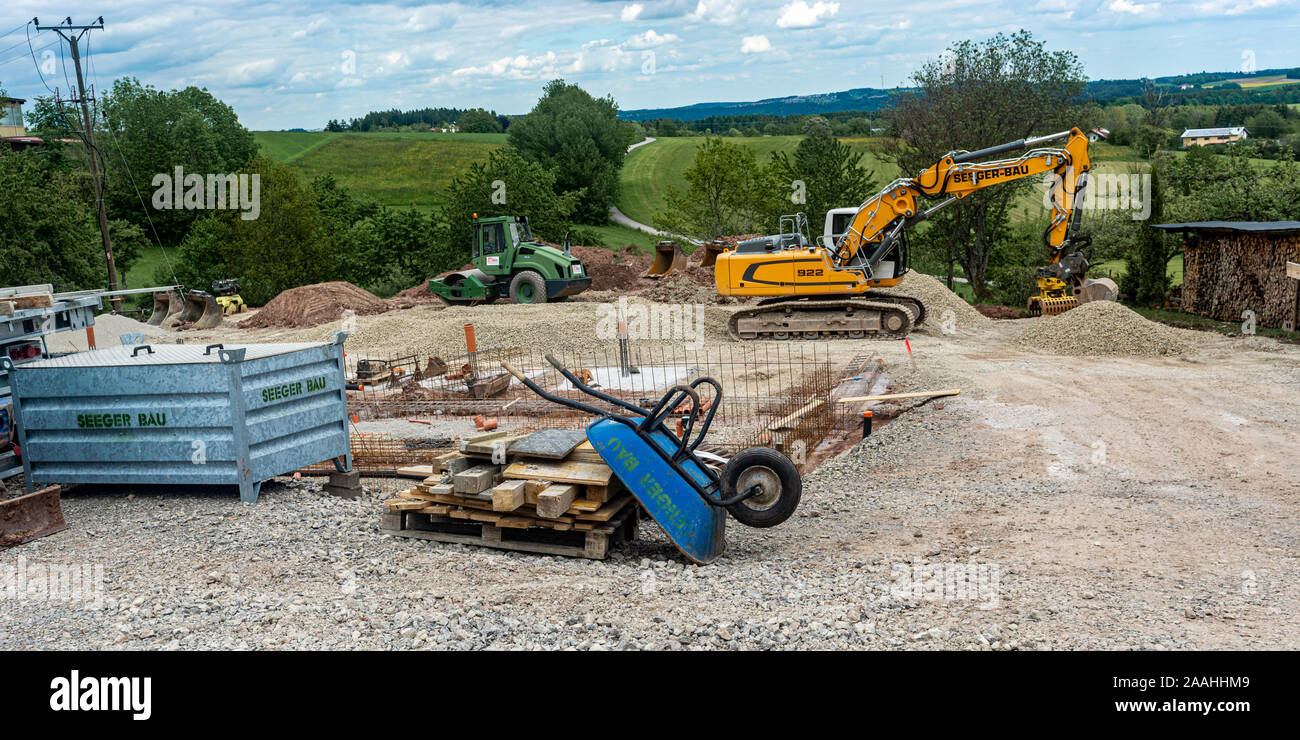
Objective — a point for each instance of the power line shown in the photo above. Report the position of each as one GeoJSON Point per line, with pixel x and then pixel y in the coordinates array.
{"type": "Point", "coordinates": [16, 29]}
{"type": "Point", "coordinates": [94, 77]}
{"type": "Point", "coordinates": [24, 56]}
{"type": "Point", "coordinates": [72, 34]}
{"type": "Point", "coordinates": [33, 53]}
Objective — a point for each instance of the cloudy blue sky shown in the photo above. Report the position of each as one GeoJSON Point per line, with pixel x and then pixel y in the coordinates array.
{"type": "Point", "coordinates": [296, 63]}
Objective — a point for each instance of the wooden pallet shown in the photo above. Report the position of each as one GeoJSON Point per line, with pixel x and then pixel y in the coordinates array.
{"type": "Point", "coordinates": [591, 543]}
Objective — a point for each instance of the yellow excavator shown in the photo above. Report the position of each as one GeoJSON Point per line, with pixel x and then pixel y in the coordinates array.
{"type": "Point", "coordinates": [836, 286]}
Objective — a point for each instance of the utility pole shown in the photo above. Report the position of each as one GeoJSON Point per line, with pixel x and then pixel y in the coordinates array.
{"type": "Point", "coordinates": [72, 34]}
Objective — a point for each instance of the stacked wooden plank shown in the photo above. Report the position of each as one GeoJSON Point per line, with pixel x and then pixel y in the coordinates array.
{"type": "Point", "coordinates": [25, 297]}
{"type": "Point", "coordinates": [506, 487]}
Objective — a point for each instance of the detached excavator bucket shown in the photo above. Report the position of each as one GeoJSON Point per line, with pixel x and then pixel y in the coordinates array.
{"type": "Point", "coordinates": [25, 518]}
{"type": "Point", "coordinates": [165, 305]}
{"type": "Point", "coordinates": [709, 253]}
{"type": "Point", "coordinates": [668, 258]}
{"type": "Point", "coordinates": [204, 309]}
{"type": "Point", "coordinates": [1101, 289]}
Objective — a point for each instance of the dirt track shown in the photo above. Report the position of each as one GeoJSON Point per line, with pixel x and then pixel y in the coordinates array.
{"type": "Point", "coordinates": [1124, 503]}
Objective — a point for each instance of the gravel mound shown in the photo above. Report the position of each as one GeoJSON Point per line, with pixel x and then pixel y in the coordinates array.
{"type": "Point", "coordinates": [1104, 329]}
{"type": "Point", "coordinates": [313, 305]}
{"type": "Point", "coordinates": [108, 331]}
{"type": "Point", "coordinates": [938, 300]}
{"type": "Point", "coordinates": [573, 325]}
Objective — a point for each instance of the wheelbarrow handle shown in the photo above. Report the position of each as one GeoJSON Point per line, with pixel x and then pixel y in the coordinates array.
{"type": "Point", "coordinates": [535, 388]}
{"type": "Point", "coordinates": [569, 376]}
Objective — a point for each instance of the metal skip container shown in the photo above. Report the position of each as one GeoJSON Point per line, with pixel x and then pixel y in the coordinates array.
{"type": "Point", "coordinates": [175, 414]}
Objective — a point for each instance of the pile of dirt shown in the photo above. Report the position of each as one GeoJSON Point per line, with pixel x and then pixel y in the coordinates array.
{"type": "Point", "coordinates": [1002, 312]}
{"type": "Point", "coordinates": [414, 296]}
{"type": "Point", "coordinates": [611, 270]}
{"type": "Point", "coordinates": [313, 305]}
{"type": "Point", "coordinates": [686, 288]}
{"type": "Point", "coordinates": [1104, 329]}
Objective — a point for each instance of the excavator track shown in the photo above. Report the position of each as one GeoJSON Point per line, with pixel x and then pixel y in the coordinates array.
{"type": "Point", "coordinates": [841, 318]}
{"type": "Point", "coordinates": [912, 302]}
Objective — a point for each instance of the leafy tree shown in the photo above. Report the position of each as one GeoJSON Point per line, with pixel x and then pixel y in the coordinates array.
{"type": "Point", "coordinates": [48, 233]}
{"type": "Point", "coordinates": [582, 139]}
{"type": "Point", "coordinates": [150, 132]}
{"type": "Point", "coordinates": [983, 94]}
{"type": "Point", "coordinates": [727, 192]}
{"type": "Point", "coordinates": [1148, 141]}
{"type": "Point", "coordinates": [1268, 124]}
{"type": "Point", "coordinates": [527, 188]}
{"type": "Point", "coordinates": [831, 172]}
{"type": "Point", "coordinates": [816, 126]}
{"type": "Point", "coordinates": [1204, 186]}
{"type": "Point", "coordinates": [479, 121]}
{"type": "Point", "coordinates": [283, 248]}
{"type": "Point", "coordinates": [1146, 279]}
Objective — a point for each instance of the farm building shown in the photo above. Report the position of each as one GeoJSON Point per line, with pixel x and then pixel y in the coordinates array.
{"type": "Point", "coordinates": [1230, 267]}
{"type": "Point", "coordinates": [1207, 136]}
{"type": "Point", "coordinates": [12, 131]}
{"type": "Point", "coordinates": [11, 117]}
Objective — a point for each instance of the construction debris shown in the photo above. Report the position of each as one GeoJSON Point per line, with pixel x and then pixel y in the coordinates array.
{"type": "Point", "coordinates": [26, 518]}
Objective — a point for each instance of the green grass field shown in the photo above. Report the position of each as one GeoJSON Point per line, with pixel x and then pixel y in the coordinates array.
{"type": "Point", "coordinates": [1117, 269]}
{"type": "Point", "coordinates": [649, 170]}
{"type": "Point", "coordinates": [397, 169]}
{"type": "Point", "coordinates": [141, 273]}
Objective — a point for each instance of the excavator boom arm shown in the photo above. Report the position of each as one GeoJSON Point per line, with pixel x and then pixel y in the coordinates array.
{"type": "Point", "coordinates": [958, 174]}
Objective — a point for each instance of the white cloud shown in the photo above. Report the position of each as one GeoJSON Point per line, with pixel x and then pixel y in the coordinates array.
{"type": "Point", "coordinates": [256, 72]}
{"type": "Point", "coordinates": [802, 15]}
{"type": "Point", "coordinates": [1124, 6]}
{"type": "Point", "coordinates": [723, 12]}
{"type": "Point", "coordinates": [755, 45]}
{"type": "Point", "coordinates": [430, 18]}
{"type": "Point", "coordinates": [650, 40]}
{"type": "Point", "coordinates": [519, 67]}
{"type": "Point", "coordinates": [631, 12]}
{"type": "Point", "coordinates": [1236, 8]}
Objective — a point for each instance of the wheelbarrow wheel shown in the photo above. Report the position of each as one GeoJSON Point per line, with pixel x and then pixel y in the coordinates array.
{"type": "Point", "coordinates": [778, 482]}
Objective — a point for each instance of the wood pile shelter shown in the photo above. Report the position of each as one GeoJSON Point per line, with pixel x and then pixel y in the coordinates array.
{"type": "Point", "coordinates": [1230, 267]}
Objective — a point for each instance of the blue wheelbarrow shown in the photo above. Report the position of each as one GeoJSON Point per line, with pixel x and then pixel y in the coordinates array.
{"type": "Point", "coordinates": [759, 486]}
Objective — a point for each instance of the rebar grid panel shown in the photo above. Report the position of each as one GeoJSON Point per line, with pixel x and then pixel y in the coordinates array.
{"type": "Point", "coordinates": [379, 454]}
{"type": "Point", "coordinates": [774, 394]}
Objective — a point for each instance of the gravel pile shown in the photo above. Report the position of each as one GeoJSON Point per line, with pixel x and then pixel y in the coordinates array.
{"type": "Point", "coordinates": [939, 300]}
{"type": "Point", "coordinates": [1104, 329]}
{"type": "Point", "coordinates": [108, 331]}
{"type": "Point", "coordinates": [561, 326]}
